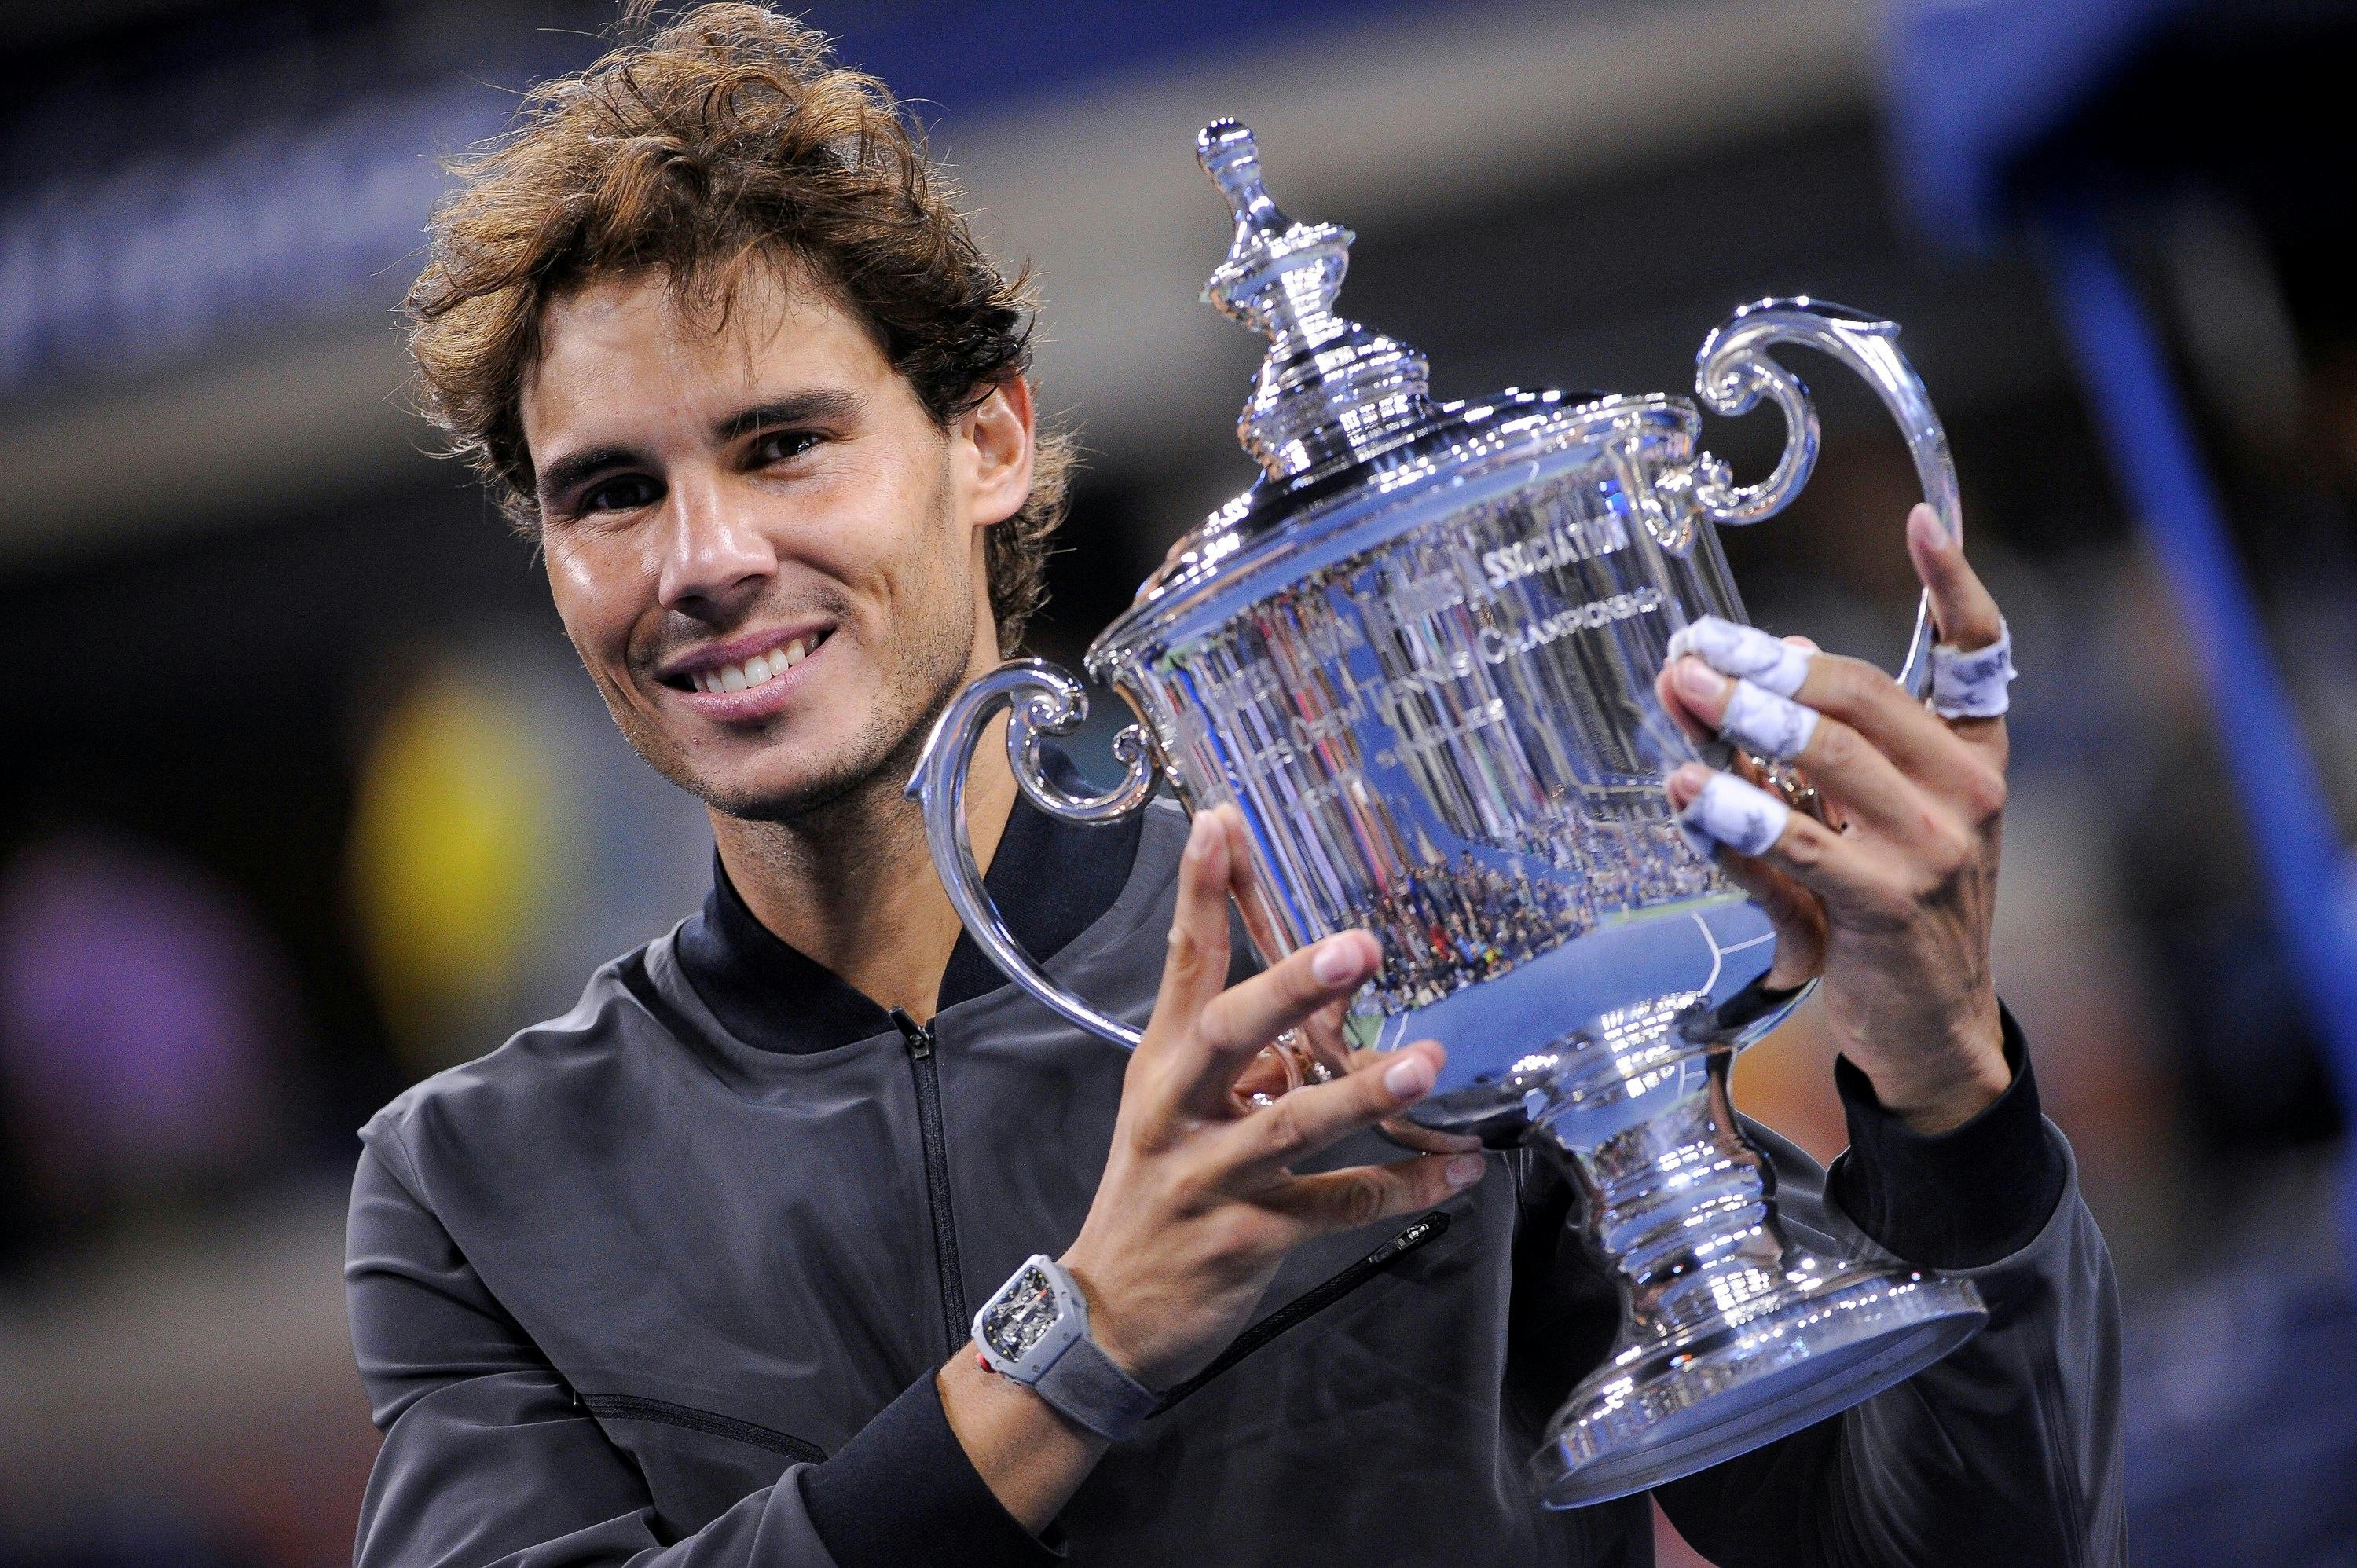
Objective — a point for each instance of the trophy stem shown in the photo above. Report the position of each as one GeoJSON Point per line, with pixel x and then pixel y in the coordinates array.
{"type": "Point", "coordinates": [1678, 1204]}
{"type": "Point", "coordinates": [1734, 1334]}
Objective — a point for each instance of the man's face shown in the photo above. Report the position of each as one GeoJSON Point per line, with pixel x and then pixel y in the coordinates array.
{"type": "Point", "coordinates": [767, 552]}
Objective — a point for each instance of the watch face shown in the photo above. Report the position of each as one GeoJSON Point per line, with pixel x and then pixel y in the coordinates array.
{"type": "Point", "coordinates": [1021, 1315]}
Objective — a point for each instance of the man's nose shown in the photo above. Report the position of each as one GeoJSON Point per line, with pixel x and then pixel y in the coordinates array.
{"type": "Point", "coordinates": [713, 549]}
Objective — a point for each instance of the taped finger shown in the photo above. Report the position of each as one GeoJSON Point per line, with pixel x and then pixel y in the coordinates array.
{"type": "Point", "coordinates": [1744, 651]}
{"type": "Point", "coordinates": [1745, 818]}
{"type": "Point", "coordinates": [1767, 725]}
{"type": "Point", "coordinates": [1973, 686]}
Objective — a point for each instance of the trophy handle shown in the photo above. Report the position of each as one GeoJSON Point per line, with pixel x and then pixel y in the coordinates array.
{"type": "Point", "coordinates": [1733, 370]}
{"type": "Point", "coordinates": [1042, 699]}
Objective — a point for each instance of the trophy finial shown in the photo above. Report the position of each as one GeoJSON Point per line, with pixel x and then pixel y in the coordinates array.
{"type": "Point", "coordinates": [1330, 388]}
{"type": "Point", "coordinates": [1280, 276]}
{"type": "Point", "coordinates": [1230, 157]}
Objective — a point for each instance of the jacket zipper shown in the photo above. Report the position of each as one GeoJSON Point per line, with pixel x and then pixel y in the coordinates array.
{"type": "Point", "coordinates": [1312, 1302]}
{"type": "Point", "coordinates": [628, 1407]}
{"type": "Point", "coordinates": [927, 1071]}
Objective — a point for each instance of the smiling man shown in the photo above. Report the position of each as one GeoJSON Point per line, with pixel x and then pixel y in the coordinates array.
{"type": "Point", "coordinates": [688, 1274]}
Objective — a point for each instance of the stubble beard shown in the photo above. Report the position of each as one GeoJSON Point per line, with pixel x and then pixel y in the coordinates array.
{"type": "Point", "coordinates": [861, 790]}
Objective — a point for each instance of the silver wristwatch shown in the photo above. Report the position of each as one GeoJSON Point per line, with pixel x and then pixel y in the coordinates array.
{"type": "Point", "coordinates": [1036, 1332]}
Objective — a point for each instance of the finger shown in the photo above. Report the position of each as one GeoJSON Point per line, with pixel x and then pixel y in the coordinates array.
{"type": "Point", "coordinates": [1851, 690]}
{"type": "Point", "coordinates": [1333, 1201]}
{"type": "Point", "coordinates": [1411, 1134]}
{"type": "Point", "coordinates": [1792, 909]}
{"type": "Point", "coordinates": [1838, 760]}
{"type": "Point", "coordinates": [1966, 616]}
{"type": "Point", "coordinates": [1698, 730]}
{"type": "Point", "coordinates": [1745, 652]}
{"type": "Point", "coordinates": [1720, 811]}
{"type": "Point", "coordinates": [1231, 1029]}
{"type": "Point", "coordinates": [1969, 691]}
{"type": "Point", "coordinates": [1310, 1119]}
{"type": "Point", "coordinates": [1967, 771]}
{"type": "Point", "coordinates": [1717, 810]}
{"type": "Point", "coordinates": [1197, 964]}
{"type": "Point", "coordinates": [1322, 1035]}
{"type": "Point", "coordinates": [1665, 690]}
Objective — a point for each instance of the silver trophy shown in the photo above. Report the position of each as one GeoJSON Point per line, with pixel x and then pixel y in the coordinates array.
{"type": "Point", "coordinates": [1419, 656]}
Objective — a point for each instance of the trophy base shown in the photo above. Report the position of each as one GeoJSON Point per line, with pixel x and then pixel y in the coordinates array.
{"type": "Point", "coordinates": [1665, 1409]}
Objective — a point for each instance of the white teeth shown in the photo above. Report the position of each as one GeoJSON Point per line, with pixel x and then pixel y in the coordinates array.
{"type": "Point", "coordinates": [756, 671]}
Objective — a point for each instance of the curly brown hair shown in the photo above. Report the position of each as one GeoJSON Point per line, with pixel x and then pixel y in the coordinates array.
{"type": "Point", "coordinates": [724, 137]}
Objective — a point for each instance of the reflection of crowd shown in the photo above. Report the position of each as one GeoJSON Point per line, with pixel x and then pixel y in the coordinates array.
{"type": "Point", "coordinates": [1632, 865]}
{"type": "Point", "coordinates": [1448, 926]}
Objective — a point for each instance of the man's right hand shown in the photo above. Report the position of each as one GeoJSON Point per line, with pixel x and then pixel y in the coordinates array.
{"type": "Point", "coordinates": [1199, 1204]}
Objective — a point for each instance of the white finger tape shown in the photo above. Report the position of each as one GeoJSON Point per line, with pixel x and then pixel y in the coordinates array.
{"type": "Point", "coordinates": [1747, 821]}
{"type": "Point", "coordinates": [1973, 686]}
{"type": "Point", "coordinates": [1769, 725]}
{"type": "Point", "coordinates": [1744, 651]}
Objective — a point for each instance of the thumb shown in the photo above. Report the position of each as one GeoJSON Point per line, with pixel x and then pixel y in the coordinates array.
{"type": "Point", "coordinates": [1966, 616]}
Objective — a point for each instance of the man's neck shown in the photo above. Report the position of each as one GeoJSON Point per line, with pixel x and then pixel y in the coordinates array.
{"type": "Point", "coordinates": [852, 887]}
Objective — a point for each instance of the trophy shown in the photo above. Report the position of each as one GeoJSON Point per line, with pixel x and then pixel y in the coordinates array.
{"type": "Point", "coordinates": [1418, 655]}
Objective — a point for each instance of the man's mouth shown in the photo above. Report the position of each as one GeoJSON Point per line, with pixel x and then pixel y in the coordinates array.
{"type": "Point", "coordinates": [749, 673]}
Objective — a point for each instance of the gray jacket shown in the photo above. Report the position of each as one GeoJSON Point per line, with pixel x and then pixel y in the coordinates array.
{"type": "Point", "coordinates": [665, 1281]}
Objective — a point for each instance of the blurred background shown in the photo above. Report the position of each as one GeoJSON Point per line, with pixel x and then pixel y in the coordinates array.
{"type": "Point", "coordinates": [361, 816]}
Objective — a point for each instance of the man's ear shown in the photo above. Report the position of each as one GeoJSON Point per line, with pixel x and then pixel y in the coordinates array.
{"type": "Point", "coordinates": [1001, 429]}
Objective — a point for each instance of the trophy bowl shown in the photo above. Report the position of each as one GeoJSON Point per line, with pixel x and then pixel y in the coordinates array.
{"type": "Point", "coordinates": [1418, 657]}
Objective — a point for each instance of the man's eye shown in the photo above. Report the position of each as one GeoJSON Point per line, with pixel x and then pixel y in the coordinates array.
{"type": "Point", "coordinates": [783, 446]}
{"type": "Point", "coordinates": [623, 494]}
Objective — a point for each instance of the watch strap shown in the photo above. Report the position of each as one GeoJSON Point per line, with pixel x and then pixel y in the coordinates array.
{"type": "Point", "coordinates": [1086, 1386]}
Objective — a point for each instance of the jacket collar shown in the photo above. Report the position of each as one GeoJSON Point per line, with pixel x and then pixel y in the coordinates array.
{"type": "Point", "coordinates": [1050, 879]}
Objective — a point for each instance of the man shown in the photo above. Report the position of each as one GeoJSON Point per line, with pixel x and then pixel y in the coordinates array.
{"type": "Point", "coordinates": [686, 1275]}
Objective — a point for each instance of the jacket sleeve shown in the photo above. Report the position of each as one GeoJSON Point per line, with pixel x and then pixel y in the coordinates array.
{"type": "Point", "coordinates": [2006, 1451]}
{"type": "Point", "coordinates": [488, 1459]}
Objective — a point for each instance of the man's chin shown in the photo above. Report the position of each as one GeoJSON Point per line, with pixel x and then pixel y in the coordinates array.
{"type": "Point", "coordinates": [804, 794]}
{"type": "Point", "coordinates": [775, 789]}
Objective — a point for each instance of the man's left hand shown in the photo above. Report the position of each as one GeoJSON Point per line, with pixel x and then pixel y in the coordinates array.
{"type": "Point", "coordinates": [1892, 910]}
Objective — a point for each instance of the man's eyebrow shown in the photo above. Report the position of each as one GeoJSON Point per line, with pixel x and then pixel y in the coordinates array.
{"type": "Point", "coordinates": [570, 470]}
{"type": "Point", "coordinates": [824, 406]}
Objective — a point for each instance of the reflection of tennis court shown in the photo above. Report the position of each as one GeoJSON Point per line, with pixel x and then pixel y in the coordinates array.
{"type": "Point", "coordinates": [1707, 948]}
{"type": "Point", "coordinates": [1682, 906]}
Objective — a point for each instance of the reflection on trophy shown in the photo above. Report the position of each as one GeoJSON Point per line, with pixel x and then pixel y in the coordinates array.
{"type": "Point", "coordinates": [1418, 656]}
